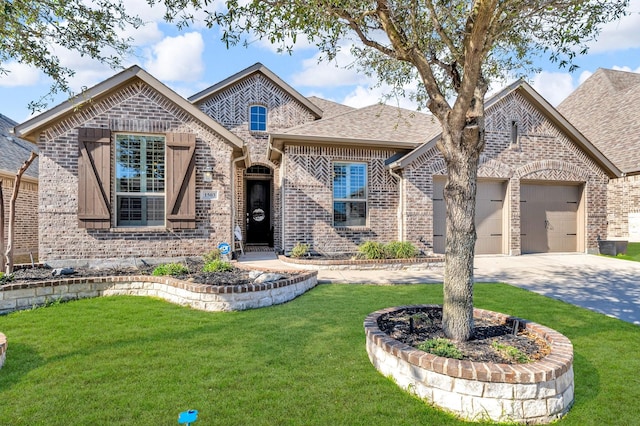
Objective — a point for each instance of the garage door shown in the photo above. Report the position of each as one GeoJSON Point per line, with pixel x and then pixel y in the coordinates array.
{"type": "Point", "coordinates": [490, 198]}
{"type": "Point", "coordinates": [548, 217]}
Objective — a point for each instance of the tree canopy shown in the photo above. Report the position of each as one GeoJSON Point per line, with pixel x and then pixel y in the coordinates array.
{"type": "Point", "coordinates": [32, 32]}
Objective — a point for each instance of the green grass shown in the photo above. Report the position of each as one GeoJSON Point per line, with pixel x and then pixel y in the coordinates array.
{"type": "Point", "coordinates": [633, 253]}
{"type": "Point", "coordinates": [133, 360]}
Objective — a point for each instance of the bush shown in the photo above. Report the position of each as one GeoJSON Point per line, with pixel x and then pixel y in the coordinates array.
{"type": "Point", "coordinates": [172, 269]}
{"type": "Point", "coordinates": [372, 250]}
{"type": "Point", "coordinates": [211, 256]}
{"type": "Point", "coordinates": [401, 250]}
{"type": "Point", "coordinates": [441, 347]}
{"type": "Point", "coordinates": [299, 250]}
{"type": "Point", "coordinates": [217, 265]}
{"type": "Point", "coordinates": [5, 278]}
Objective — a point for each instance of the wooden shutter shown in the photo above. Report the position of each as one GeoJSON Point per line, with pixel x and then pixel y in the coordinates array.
{"type": "Point", "coordinates": [181, 180]}
{"type": "Point", "coordinates": [94, 178]}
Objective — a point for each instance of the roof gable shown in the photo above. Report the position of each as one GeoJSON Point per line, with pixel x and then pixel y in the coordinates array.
{"type": "Point", "coordinates": [605, 109]}
{"type": "Point", "coordinates": [15, 151]}
{"type": "Point", "coordinates": [540, 103]}
{"type": "Point", "coordinates": [203, 95]}
{"type": "Point", "coordinates": [30, 129]}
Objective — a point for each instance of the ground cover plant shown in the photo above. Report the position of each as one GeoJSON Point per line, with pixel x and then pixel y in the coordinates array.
{"type": "Point", "coordinates": [633, 253]}
{"type": "Point", "coordinates": [134, 360]}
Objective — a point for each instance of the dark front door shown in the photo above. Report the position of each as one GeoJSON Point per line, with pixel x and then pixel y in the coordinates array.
{"type": "Point", "coordinates": [258, 211]}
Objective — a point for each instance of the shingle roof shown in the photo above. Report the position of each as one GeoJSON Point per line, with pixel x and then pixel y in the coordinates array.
{"type": "Point", "coordinates": [378, 122]}
{"type": "Point", "coordinates": [15, 151]}
{"type": "Point", "coordinates": [329, 108]}
{"type": "Point", "coordinates": [605, 109]}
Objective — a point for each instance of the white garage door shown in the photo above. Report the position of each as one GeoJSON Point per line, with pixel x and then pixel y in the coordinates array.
{"type": "Point", "coordinates": [548, 217]}
{"type": "Point", "coordinates": [490, 198]}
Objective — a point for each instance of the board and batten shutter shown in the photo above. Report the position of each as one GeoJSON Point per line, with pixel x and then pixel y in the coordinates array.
{"type": "Point", "coordinates": [181, 180]}
{"type": "Point", "coordinates": [94, 178]}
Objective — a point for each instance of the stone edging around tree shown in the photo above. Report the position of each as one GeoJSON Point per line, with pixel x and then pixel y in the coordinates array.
{"type": "Point", "coordinates": [539, 392]}
{"type": "Point", "coordinates": [203, 297]}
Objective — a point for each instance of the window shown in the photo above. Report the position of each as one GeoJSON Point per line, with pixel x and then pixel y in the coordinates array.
{"type": "Point", "coordinates": [349, 194]}
{"type": "Point", "coordinates": [140, 180]}
{"type": "Point", "coordinates": [258, 119]}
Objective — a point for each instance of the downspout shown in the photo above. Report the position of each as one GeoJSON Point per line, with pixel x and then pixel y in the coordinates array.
{"type": "Point", "coordinates": [400, 212]}
{"type": "Point", "coordinates": [245, 153]}
{"type": "Point", "coordinates": [281, 180]}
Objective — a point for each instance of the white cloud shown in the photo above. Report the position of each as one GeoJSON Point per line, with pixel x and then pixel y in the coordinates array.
{"type": "Point", "coordinates": [178, 58]}
{"type": "Point", "coordinates": [584, 75]}
{"type": "Point", "coordinates": [553, 86]}
{"type": "Point", "coordinates": [19, 75]}
{"type": "Point", "coordinates": [620, 35]}
{"type": "Point", "coordinates": [626, 68]}
{"type": "Point", "coordinates": [320, 73]}
{"type": "Point", "coordinates": [363, 96]}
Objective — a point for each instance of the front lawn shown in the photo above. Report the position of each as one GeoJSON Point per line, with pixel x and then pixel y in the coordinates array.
{"type": "Point", "coordinates": [141, 361]}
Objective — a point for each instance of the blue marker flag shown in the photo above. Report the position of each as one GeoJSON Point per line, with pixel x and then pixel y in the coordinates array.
{"type": "Point", "coordinates": [188, 416]}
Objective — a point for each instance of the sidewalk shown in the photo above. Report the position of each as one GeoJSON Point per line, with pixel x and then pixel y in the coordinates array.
{"type": "Point", "coordinates": [605, 285]}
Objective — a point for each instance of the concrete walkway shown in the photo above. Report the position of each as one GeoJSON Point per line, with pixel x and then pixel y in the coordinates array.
{"type": "Point", "coordinates": [605, 285]}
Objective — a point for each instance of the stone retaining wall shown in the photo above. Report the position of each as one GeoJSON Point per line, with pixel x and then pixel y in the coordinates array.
{"type": "Point", "coordinates": [539, 392]}
{"type": "Point", "coordinates": [364, 264]}
{"type": "Point", "coordinates": [204, 297]}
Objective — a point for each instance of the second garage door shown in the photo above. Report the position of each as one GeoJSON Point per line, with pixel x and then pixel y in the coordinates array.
{"type": "Point", "coordinates": [490, 198]}
{"type": "Point", "coordinates": [549, 217]}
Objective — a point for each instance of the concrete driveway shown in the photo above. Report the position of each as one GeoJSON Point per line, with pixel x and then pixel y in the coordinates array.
{"type": "Point", "coordinates": [605, 285]}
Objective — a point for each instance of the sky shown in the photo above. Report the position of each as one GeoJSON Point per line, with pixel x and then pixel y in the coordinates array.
{"type": "Point", "coordinates": [193, 59]}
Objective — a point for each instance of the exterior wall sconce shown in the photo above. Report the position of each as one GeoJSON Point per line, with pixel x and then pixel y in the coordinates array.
{"type": "Point", "coordinates": [207, 174]}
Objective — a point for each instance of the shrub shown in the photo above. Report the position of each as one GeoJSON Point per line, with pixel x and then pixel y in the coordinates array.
{"type": "Point", "coordinates": [5, 278]}
{"type": "Point", "coordinates": [211, 256]}
{"type": "Point", "coordinates": [511, 352]}
{"type": "Point", "coordinates": [217, 265]}
{"type": "Point", "coordinates": [372, 250]}
{"type": "Point", "coordinates": [299, 250]}
{"type": "Point", "coordinates": [441, 347]}
{"type": "Point", "coordinates": [401, 250]}
{"type": "Point", "coordinates": [172, 269]}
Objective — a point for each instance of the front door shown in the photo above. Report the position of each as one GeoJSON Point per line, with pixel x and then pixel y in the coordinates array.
{"type": "Point", "coordinates": [258, 212]}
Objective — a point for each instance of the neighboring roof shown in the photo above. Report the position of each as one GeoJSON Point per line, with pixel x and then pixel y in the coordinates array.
{"type": "Point", "coordinates": [524, 89]}
{"type": "Point", "coordinates": [376, 125]}
{"type": "Point", "coordinates": [605, 109]}
{"type": "Point", "coordinates": [330, 108]}
{"type": "Point", "coordinates": [15, 151]}
{"type": "Point", "coordinates": [247, 72]}
{"type": "Point", "coordinates": [31, 128]}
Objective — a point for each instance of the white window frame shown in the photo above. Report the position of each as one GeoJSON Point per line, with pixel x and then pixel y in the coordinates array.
{"type": "Point", "coordinates": [143, 194]}
{"type": "Point", "coordinates": [364, 200]}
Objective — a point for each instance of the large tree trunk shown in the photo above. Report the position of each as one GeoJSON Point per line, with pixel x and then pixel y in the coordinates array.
{"type": "Point", "coordinates": [460, 201]}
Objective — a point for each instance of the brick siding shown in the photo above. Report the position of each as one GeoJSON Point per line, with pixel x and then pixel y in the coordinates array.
{"type": "Point", "coordinates": [543, 153]}
{"type": "Point", "coordinates": [624, 198]}
{"type": "Point", "coordinates": [26, 223]}
{"type": "Point", "coordinates": [134, 108]}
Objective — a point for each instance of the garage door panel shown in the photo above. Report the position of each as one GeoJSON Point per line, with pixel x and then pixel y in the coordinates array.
{"type": "Point", "coordinates": [548, 218]}
{"type": "Point", "coordinates": [488, 219]}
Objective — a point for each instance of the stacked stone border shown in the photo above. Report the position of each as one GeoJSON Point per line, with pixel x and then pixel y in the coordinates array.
{"type": "Point", "coordinates": [539, 392]}
{"type": "Point", "coordinates": [203, 297]}
{"type": "Point", "coordinates": [364, 264]}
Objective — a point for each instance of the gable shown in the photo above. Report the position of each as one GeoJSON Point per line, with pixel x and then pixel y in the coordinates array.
{"type": "Point", "coordinates": [229, 103]}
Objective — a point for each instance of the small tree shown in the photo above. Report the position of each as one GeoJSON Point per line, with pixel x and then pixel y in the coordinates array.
{"type": "Point", "coordinates": [8, 254]}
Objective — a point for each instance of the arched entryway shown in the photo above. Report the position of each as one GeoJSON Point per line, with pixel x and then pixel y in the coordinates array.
{"type": "Point", "coordinates": [258, 197]}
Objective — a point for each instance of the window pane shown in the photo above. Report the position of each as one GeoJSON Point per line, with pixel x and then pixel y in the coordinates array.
{"type": "Point", "coordinates": [140, 171]}
{"type": "Point", "coordinates": [352, 213]}
{"type": "Point", "coordinates": [339, 181]}
{"type": "Point", "coordinates": [258, 118]}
